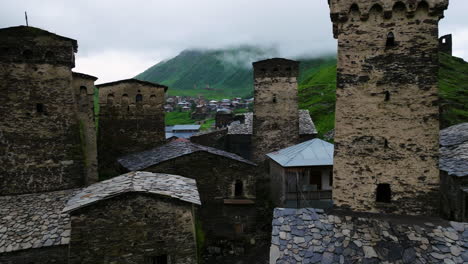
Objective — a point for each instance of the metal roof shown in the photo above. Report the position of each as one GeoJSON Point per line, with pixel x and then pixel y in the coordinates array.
{"type": "Point", "coordinates": [185, 127]}
{"type": "Point", "coordinates": [315, 152]}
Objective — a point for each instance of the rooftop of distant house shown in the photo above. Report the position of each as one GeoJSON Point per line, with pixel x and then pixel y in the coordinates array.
{"type": "Point", "coordinates": [314, 152]}
{"type": "Point", "coordinates": [155, 85]}
{"type": "Point", "coordinates": [169, 151]}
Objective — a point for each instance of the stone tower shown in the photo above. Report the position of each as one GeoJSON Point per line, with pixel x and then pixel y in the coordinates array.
{"type": "Point", "coordinates": [276, 113]}
{"type": "Point", "coordinates": [387, 126]}
{"type": "Point", "coordinates": [445, 44]}
{"type": "Point", "coordinates": [131, 119]}
{"type": "Point", "coordinates": [40, 139]}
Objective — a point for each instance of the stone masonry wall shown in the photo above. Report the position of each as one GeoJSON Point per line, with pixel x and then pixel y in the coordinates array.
{"type": "Point", "coordinates": [228, 228]}
{"type": "Point", "coordinates": [275, 122]}
{"type": "Point", "coordinates": [127, 126]}
{"type": "Point", "coordinates": [44, 255]}
{"type": "Point", "coordinates": [83, 87]}
{"type": "Point", "coordinates": [133, 228]}
{"type": "Point", "coordinates": [387, 115]}
{"type": "Point", "coordinates": [40, 146]}
{"type": "Point", "coordinates": [310, 236]}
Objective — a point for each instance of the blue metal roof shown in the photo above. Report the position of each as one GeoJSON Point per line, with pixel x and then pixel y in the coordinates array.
{"type": "Point", "coordinates": [185, 127]}
{"type": "Point", "coordinates": [315, 152]}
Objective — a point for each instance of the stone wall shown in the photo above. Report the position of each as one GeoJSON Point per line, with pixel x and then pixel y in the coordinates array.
{"type": "Point", "coordinates": [454, 205]}
{"type": "Point", "coordinates": [40, 145]}
{"type": "Point", "coordinates": [275, 121]}
{"type": "Point", "coordinates": [310, 236]}
{"type": "Point", "coordinates": [83, 87]}
{"type": "Point", "coordinates": [44, 255]}
{"type": "Point", "coordinates": [128, 125]}
{"type": "Point", "coordinates": [387, 115]}
{"type": "Point", "coordinates": [228, 228]}
{"type": "Point", "coordinates": [133, 228]}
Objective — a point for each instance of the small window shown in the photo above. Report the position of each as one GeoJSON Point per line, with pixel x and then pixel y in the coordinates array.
{"type": "Point", "coordinates": [275, 69]}
{"type": "Point", "coordinates": [387, 96]}
{"type": "Point", "coordinates": [274, 98]}
{"type": "Point", "coordinates": [383, 193]}
{"type": "Point", "coordinates": [316, 178]}
{"type": "Point", "coordinates": [163, 259]}
{"type": "Point", "coordinates": [83, 90]}
{"type": "Point", "coordinates": [390, 40]}
{"type": "Point", "coordinates": [40, 108]}
{"type": "Point", "coordinates": [238, 188]}
{"type": "Point", "coordinates": [28, 54]}
{"type": "Point", "coordinates": [330, 177]}
{"type": "Point", "coordinates": [444, 40]}
{"type": "Point", "coordinates": [49, 55]}
{"type": "Point", "coordinates": [139, 98]}
{"type": "Point", "coordinates": [386, 143]}
{"type": "Point", "coordinates": [239, 228]}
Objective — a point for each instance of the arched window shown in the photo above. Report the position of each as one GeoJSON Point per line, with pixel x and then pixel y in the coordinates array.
{"type": "Point", "coordinates": [110, 98]}
{"type": "Point", "coordinates": [390, 40]}
{"type": "Point", "coordinates": [139, 98]}
{"type": "Point", "coordinates": [238, 188]}
{"type": "Point", "coordinates": [28, 54]}
{"type": "Point", "coordinates": [83, 90]}
{"type": "Point", "coordinates": [383, 193]}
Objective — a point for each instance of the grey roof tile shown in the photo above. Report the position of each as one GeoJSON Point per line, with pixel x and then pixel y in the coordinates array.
{"type": "Point", "coordinates": [454, 150]}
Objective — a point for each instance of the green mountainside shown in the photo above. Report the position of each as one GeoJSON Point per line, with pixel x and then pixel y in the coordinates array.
{"type": "Point", "coordinates": [229, 73]}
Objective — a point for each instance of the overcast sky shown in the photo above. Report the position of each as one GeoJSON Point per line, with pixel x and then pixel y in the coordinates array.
{"type": "Point", "coordinates": [120, 38]}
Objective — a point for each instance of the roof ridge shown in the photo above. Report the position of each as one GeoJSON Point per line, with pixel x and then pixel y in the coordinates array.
{"type": "Point", "coordinates": [305, 145]}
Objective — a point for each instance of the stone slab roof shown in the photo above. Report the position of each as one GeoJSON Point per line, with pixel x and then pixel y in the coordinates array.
{"type": "Point", "coordinates": [34, 220]}
{"type": "Point", "coordinates": [306, 125]}
{"type": "Point", "coordinates": [132, 81]}
{"type": "Point", "coordinates": [174, 186]}
{"type": "Point", "coordinates": [311, 236]}
{"type": "Point", "coordinates": [169, 151]}
{"type": "Point", "coordinates": [454, 150]}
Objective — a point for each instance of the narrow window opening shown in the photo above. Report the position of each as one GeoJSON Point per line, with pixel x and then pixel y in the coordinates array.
{"type": "Point", "coordinates": [139, 98]}
{"type": "Point", "coordinates": [27, 54]}
{"type": "Point", "coordinates": [40, 108]}
{"type": "Point", "coordinates": [387, 96]}
{"type": "Point", "coordinates": [288, 69]}
{"type": "Point", "coordinates": [386, 143]}
{"type": "Point", "coordinates": [83, 90]}
{"type": "Point", "coordinates": [444, 41]}
{"type": "Point", "coordinates": [274, 98]}
{"type": "Point", "coordinates": [383, 193]}
{"type": "Point", "coordinates": [163, 259]}
{"type": "Point", "coordinates": [238, 188]}
{"type": "Point", "coordinates": [390, 40]}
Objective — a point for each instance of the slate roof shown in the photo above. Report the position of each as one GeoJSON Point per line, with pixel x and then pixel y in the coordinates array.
{"type": "Point", "coordinates": [454, 150]}
{"type": "Point", "coordinates": [156, 85]}
{"type": "Point", "coordinates": [185, 127]}
{"type": "Point", "coordinates": [315, 152]}
{"type": "Point", "coordinates": [34, 220]}
{"type": "Point", "coordinates": [178, 187]}
{"type": "Point", "coordinates": [169, 151]}
{"type": "Point", "coordinates": [84, 76]}
{"type": "Point", "coordinates": [306, 125]}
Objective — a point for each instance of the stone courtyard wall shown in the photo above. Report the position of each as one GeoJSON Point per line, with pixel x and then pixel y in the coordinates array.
{"type": "Point", "coordinates": [311, 236]}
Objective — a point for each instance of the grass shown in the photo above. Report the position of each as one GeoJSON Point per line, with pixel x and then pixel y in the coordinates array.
{"type": "Point", "coordinates": [208, 124]}
{"type": "Point", "coordinates": [178, 118]}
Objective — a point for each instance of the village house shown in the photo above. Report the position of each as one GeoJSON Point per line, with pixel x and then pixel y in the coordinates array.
{"type": "Point", "coordinates": [302, 175]}
{"type": "Point", "coordinates": [226, 183]}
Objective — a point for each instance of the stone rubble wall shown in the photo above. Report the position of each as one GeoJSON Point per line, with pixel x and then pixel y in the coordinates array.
{"type": "Point", "coordinates": [311, 236]}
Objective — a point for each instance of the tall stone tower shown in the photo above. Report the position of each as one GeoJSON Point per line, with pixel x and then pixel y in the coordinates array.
{"type": "Point", "coordinates": [276, 113]}
{"type": "Point", "coordinates": [387, 126]}
{"type": "Point", "coordinates": [40, 139]}
{"type": "Point", "coordinates": [131, 119]}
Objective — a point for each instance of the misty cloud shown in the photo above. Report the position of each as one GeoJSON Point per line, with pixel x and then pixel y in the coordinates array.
{"type": "Point", "coordinates": [119, 38]}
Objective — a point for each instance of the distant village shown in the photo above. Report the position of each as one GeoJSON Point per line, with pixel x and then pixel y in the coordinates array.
{"type": "Point", "coordinates": [119, 186]}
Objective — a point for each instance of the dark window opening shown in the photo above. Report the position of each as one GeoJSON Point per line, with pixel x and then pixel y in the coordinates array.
{"type": "Point", "coordinates": [27, 54]}
{"type": "Point", "coordinates": [40, 108]}
{"type": "Point", "coordinates": [274, 98]}
{"type": "Point", "coordinates": [83, 90]}
{"type": "Point", "coordinates": [163, 259]}
{"type": "Point", "coordinates": [263, 69]}
{"type": "Point", "coordinates": [387, 96]}
{"type": "Point", "coordinates": [239, 228]}
{"type": "Point", "coordinates": [49, 55]}
{"type": "Point", "coordinates": [444, 41]}
{"type": "Point", "coordinates": [385, 143]}
{"type": "Point", "coordinates": [383, 193]}
{"type": "Point", "coordinates": [390, 40]}
{"type": "Point", "coordinates": [288, 69]}
{"type": "Point", "coordinates": [238, 188]}
{"type": "Point", "coordinates": [275, 69]}
{"type": "Point", "coordinates": [330, 180]}
{"type": "Point", "coordinates": [139, 98]}
{"type": "Point", "coordinates": [316, 178]}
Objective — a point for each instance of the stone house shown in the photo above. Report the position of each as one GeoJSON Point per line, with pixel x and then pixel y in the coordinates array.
{"type": "Point", "coordinates": [42, 117]}
{"type": "Point", "coordinates": [453, 166]}
{"type": "Point", "coordinates": [387, 113]}
{"type": "Point", "coordinates": [227, 186]}
{"type": "Point", "coordinates": [131, 119]}
{"type": "Point", "coordinates": [302, 175]}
